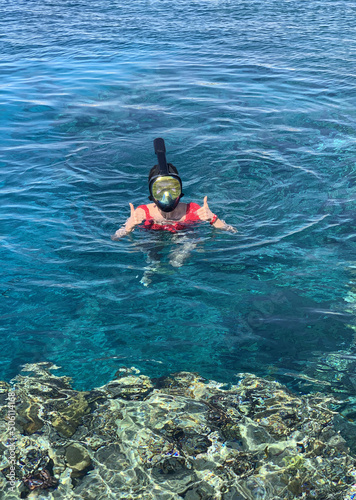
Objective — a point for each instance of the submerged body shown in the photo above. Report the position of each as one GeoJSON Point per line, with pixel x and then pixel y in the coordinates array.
{"type": "Point", "coordinates": [168, 213]}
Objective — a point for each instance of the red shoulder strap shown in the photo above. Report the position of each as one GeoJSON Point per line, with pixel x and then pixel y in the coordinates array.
{"type": "Point", "coordinates": [191, 213]}
{"type": "Point", "coordinates": [146, 210]}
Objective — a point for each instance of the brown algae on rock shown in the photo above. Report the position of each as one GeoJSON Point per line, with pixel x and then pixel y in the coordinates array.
{"type": "Point", "coordinates": [175, 437]}
{"type": "Point", "coordinates": [67, 415]}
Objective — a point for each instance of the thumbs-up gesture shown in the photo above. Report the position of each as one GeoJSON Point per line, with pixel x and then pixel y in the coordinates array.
{"type": "Point", "coordinates": [204, 212]}
{"type": "Point", "coordinates": [131, 222]}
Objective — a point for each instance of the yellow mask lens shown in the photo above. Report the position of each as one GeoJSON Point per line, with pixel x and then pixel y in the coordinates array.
{"type": "Point", "coordinates": [166, 186]}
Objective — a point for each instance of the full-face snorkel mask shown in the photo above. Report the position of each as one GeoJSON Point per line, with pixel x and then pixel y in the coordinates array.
{"type": "Point", "coordinates": [165, 184]}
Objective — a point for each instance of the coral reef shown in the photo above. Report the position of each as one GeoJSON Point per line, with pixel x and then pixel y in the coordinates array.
{"type": "Point", "coordinates": [174, 437]}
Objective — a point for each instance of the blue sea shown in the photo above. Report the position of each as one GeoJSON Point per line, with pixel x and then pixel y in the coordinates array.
{"type": "Point", "coordinates": [256, 102]}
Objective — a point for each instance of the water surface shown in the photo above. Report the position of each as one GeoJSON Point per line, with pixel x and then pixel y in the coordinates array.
{"type": "Point", "coordinates": [256, 102]}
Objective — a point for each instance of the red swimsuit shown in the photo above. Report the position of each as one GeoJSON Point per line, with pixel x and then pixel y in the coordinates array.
{"type": "Point", "coordinates": [173, 227]}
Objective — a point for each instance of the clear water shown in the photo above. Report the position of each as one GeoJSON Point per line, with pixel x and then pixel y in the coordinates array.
{"type": "Point", "coordinates": [256, 101]}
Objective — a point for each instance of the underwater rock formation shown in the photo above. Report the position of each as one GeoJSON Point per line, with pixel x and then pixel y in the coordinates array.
{"type": "Point", "coordinates": [173, 437]}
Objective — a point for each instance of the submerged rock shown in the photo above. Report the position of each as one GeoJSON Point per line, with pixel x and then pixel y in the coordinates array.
{"type": "Point", "coordinates": [67, 416]}
{"type": "Point", "coordinates": [175, 437]}
{"type": "Point", "coordinates": [78, 459]}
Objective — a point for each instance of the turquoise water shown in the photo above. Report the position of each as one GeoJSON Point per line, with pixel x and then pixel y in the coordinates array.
{"type": "Point", "coordinates": [256, 102]}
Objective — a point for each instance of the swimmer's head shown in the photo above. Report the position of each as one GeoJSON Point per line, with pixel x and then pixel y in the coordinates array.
{"type": "Point", "coordinates": [165, 190]}
{"type": "Point", "coordinates": [164, 182]}
{"type": "Point", "coordinates": [155, 171]}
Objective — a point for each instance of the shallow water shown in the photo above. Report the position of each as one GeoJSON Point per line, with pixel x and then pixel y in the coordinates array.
{"type": "Point", "coordinates": [256, 102]}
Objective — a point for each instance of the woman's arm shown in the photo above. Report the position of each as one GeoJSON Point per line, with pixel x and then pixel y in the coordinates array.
{"type": "Point", "coordinates": [206, 214]}
{"type": "Point", "coordinates": [136, 217]}
{"type": "Point", "coordinates": [221, 224]}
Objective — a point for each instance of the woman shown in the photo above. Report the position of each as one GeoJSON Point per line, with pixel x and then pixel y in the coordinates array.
{"type": "Point", "coordinates": [167, 213]}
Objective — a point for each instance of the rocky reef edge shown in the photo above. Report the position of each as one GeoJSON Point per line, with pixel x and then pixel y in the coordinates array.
{"type": "Point", "coordinates": [173, 437]}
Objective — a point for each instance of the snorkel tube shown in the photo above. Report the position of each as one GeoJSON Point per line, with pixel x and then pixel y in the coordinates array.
{"type": "Point", "coordinates": [164, 172]}
{"type": "Point", "coordinates": [160, 150]}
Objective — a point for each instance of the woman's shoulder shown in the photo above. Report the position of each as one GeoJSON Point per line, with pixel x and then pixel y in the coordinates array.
{"type": "Point", "coordinates": [193, 206]}
{"type": "Point", "coordinates": [190, 205]}
{"type": "Point", "coordinates": [148, 211]}
{"type": "Point", "coordinates": [145, 207]}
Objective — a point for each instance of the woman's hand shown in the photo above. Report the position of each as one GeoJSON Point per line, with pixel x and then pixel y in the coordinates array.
{"type": "Point", "coordinates": [204, 212]}
{"type": "Point", "coordinates": [119, 234]}
{"type": "Point", "coordinates": [134, 219]}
